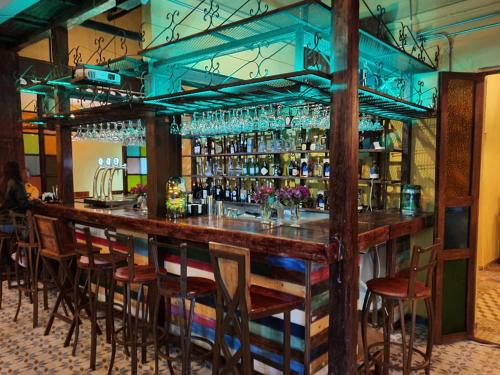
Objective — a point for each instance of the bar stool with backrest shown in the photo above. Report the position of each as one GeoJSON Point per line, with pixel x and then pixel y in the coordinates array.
{"type": "Point", "coordinates": [6, 238]}
{"type": "Point", "coordinates": [183, 288]}
{"type": "Point", "coordinates": [404, 287]}
{"type": "Point", "coordinates": [137, 326]}
{"type": "Point", "coordinates": [26, 259]}
{"type": "Point", "coordinates": [54, 251]}
{"type": "Point", "coordinates": [238, 302]}
{"type": "Point", "coordinates": [97, 269]}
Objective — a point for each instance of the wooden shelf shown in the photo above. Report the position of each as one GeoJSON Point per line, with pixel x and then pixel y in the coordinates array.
{"type": "Point", "coordinates": [362, 180]}
{"type": "Point", "coordinates": [368, 150]}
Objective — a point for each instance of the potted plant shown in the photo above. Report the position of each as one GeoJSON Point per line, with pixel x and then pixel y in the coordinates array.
{"type": "Point", "coordinates": [265, 197]}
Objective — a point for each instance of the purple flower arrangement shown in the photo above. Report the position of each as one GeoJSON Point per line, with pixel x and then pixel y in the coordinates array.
{"type": "Point", "coordinates": [264, 195]}
{"type": "Point", "coordinates": [293, 196]}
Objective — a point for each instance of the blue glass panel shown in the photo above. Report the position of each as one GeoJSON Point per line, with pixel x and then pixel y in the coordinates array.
{"type": "Point", "coordinates": [133, 151]}
{"type": "Point", "coordinates": [144, 166]}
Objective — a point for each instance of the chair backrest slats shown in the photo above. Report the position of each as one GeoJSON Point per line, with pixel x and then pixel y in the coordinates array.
{"type": "Point", "coordinates": [118, 254]}
{"type": "Point", "coordinates": [155, 248]}
{"type": "Point", "coordinates": [23, 226]}
{"type": "Point", "coordinates": [422, 260]}
{"type": "Point", "coordinates": [231, 266]}
{"type": "Point", "coordinates": [47, 232]}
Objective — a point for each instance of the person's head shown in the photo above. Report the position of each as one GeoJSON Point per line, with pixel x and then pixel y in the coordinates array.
{"type": "Point", "coordinates": [12, 171]}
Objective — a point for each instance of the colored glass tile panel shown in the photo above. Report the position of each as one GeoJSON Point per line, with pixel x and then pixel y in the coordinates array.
{"type": "Point", "coordinates": [454, 317]}
{"type": "Point", "coordinates": [50, 144]}
{"type": "Point", "coordinates": [133, 166]}
{"type": "Point", "coordinates": [33, 164]}
{"type": "Point", "coordinates": [143, 151]}
{"type": "Point", "coordinates": [456, 228]}
{"type": "Point", "coordinates": [133, 180]}
{"type": "Point", "coordinates": [144, 165]}
{"type": "Point", "coordinates": [133, 151]}
{"type": "Point", "coordinates": [31, 145]}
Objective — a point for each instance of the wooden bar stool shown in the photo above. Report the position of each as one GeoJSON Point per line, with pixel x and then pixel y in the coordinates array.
{"type": "Point", "coordinates": [96, 268]}
{"type": "Point", "coordinates": [238, 302]}
{"type": "Point", "coordinates": [54, 252]}
{"type": "Point", "coordinates": [137, 329]}
{"type": "Point", "coordinates": [402, 288]}
{"type": "Point", "coordinates": [26, 259]}
{"type": "Point", "coordinates": [6, 239]}
{"type": "Point", "coordinates": [184, 288]}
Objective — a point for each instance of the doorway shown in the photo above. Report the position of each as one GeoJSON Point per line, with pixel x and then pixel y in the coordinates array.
{"type": "Point", "coordinates": [487, 309]}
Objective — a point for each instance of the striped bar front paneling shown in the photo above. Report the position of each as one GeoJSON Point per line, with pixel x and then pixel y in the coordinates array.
{"type": "Point", "coordinates": [278, 273]}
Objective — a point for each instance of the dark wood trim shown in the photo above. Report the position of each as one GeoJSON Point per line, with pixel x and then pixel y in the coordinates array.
{"type": "Point", "coordinates": [459, 201]}
{"type": "Point", "coordinates": [164, 161]}
{"type": "Point", "coordinates": [406, 154]}
{"type": "Point", "coordinates": [308, 318]}
{"type": "Point", "coordinates": [64, 160]}
{"type": "Point", "coordinates": [343, 223]}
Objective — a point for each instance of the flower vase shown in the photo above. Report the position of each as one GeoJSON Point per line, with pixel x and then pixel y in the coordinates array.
{"type": "Point", "coordinates": [295, 213]}
{"type": "Point", "coordinates": [265, 209]}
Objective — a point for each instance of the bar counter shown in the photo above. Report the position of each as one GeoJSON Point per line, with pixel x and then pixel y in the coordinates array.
{"type": "Point", "coordinates": [306, 241]}
{"type": "Point", "coordinates": [284, 258]}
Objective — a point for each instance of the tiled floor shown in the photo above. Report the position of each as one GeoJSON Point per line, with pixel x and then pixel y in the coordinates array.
{"type": "Point", "coordinates": [488, 304]}
{"type": "Point", "coordinates": [26, 351]}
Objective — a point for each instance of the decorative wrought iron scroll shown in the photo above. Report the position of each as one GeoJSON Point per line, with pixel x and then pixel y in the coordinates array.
{"type": "Point", "coordinates": [212, 18]}
{"type": "Point", "coordinates": [101, 47]}
{"type": "Point", "coordinates": [405, 41]}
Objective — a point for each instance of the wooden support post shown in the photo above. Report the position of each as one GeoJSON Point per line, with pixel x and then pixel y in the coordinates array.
{"type": "Point", "coordinates": [344, 271]}
{"type": "Point", "coordinates": [164, 161]}
{"type": "Point", "coordinates": [64, 152]}
{"type": "Point", "coordinates": [406, 155]}
{"type": "Point", "coordinates": [11, 134]}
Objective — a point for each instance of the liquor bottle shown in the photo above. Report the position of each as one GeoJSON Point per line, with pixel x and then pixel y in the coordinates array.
{"type": "Point", "coordinates": [238, 169]}
{"type": "Point", "coordinates": [326, 167]}
{"type": "Point", "coordinates": [235, 194]}
{"type": "Point", "coordinates": [264, 170]}
{"type": "Point", "coordinates": [208, 169]}
{"type": "Point", "coordinates": [232, 148]}
{"type": "Point", "coordinates": [278, 171]}
{"type": "Point", "coordinates": [204, 149]}
{"type": "Point", "coordinates": [243, 147]}
{"type": "Point", "coordinates": [374, 171]}
{"type": "Point", "coordinates": [227, 192]}
{"type": "Point", "coordinates": [320, 200]}
{"type": "Point", "coordinates": [218, 191]}
{"type": "Point", "coordinates": [262, 144]}
{"type": "Point", "coordinates": [290, 167]}
{"type": "Point", "coordinates": [314, 144]}
{"type": "Point", "coordinates": [317, 169]}
{"type": "Point", "coordinates": [310, 166]}
{"type": "Point", "coordinates": [197, 147]}
{"type": "Point", "coordinates": [218, 147]}
{"type": "Point", "coordinates": [304, 169]}
{"type": "Point", "coordinates": [204, 191]}
{"type": "Point", "coordinates": [249, 145]}
{"type": "Point", "coordinates": [256, 167]}
{"type": "Point", "coordinates": [243, 193]}
{"type": "Point", "coordinates": [303, 144]}
{"type": "Point", "coordinates": [246, 168]}
{"type": "Point", "coordinates": [196, 190]}
{"type": "Point", "coordinates": [230, 168]}
{"type": "Point", "coordinates": [251, 168]}
{"type": "Point", "coordinates": [295, 169]}
{"type": "Point", "coordinates": [212, 147]}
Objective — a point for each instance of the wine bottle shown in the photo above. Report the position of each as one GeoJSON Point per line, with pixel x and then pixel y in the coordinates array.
{"type": "Point", "coordinates": [314, 144]}
{"type": "Point", "coordinates": [303, 145]}
{"type": "Point", "coordinates": [204, 193]}
{"type": "Point", "coordinates": [243, 193]}
{"type": "Point", "coordinates": [218, 191]}
{"type": "Point", "coordinates": [227, 193]}
{"type": "Point", "coordinates": [251, 168]}
{"type": "Point", "coordinates": [290, 167]}
{"type": "Point", "coordinates": [320, 200]}
{"type": "Point", "coordinates": [374, 171]}
{"type": "Point", "coordinates": [317, 169]}
{"type": "Point", "coordinates": [232, 149]}
{"type": "Point", "coordinates": [295, 169]}
{"type": "Point", "coordinates": [256, 167]}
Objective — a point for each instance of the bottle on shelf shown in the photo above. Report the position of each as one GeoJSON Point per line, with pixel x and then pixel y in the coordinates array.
{"type": "Point", "coordinates": [314, 144]}
{"type": "Point", "coordinates": [208, 169]}
{"type": "Point", "coordinates": [230, 168]}
{"type": "Point", "coordinates": [295, 169]}
{"type": "Point", "coordinates": [204, 191]}
{"type": "Point", "coordinates": [374, 171]}
{"type": "Point", "coordinates": [197, 147]}
{"type": "Point", "coordinates": [250, 145]}
{"type": "Point", "coordinates": [243, 193]}
{"type": "Point", "coordinates": [256, 167]}
{"type": "Point", "coordinates": [218, 147]}
{"type": "Point", "coordinates": [212, 147]}
{"type": "Point", "coordinates": [218, 191]}
{"type": "Point", "coordinates": [304, 143]}
{"type": "Point", "coordinates": [227, 192]}
{"type": "Point", "coordinates": [262, 144]}
{"type": "Point", "coordinates": [304, 168]}
{"type": "Point", "coordinates": [243, 147]}
{"type": "Point", "coordinates": [320, 200]}
{"type": "Point", "coordinates": [251, 168]}
{"type": "Point", "coordinates": [246, 168]}
{"type": "Point", "coordinates": [235, 194]}
{"type": "Point", "coordinates": [317, 169]}
{"type": "Point", "coordinates": [264, 170]}
{"type": "Point", "coordinates": [326, 167]}
{"type": "Point", "coordinates": [232, 147]}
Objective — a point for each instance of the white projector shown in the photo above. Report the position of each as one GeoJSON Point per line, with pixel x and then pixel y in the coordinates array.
{"type": "Point", "coordinates": [101, 77]}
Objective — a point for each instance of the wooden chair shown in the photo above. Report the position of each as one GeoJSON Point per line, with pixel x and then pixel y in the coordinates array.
{"type": "Point", "coordinates": [26, 259]}
{"type": "Point", "coordinates": [183, 288]}
{"type": "Point", "coordinates": [238, 302]}
{"type": "Point", "coordinates": [404, 287]}
{"type": "Point", "coordinates": [53, 251]}
{"type": "Point", "coordinates": [96, 269]}
{"type": "Point", "coordinates": [137, 330]}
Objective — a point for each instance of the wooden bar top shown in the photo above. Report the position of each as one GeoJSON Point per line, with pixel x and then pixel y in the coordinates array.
{"type": "Point", "coordinates": [307, 241]}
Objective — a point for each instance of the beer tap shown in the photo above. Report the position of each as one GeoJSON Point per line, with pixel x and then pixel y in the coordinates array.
{"type": "Point", "coordinates": [116, 167]}
{"type": "Point", "coordinates": [95, 182]}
